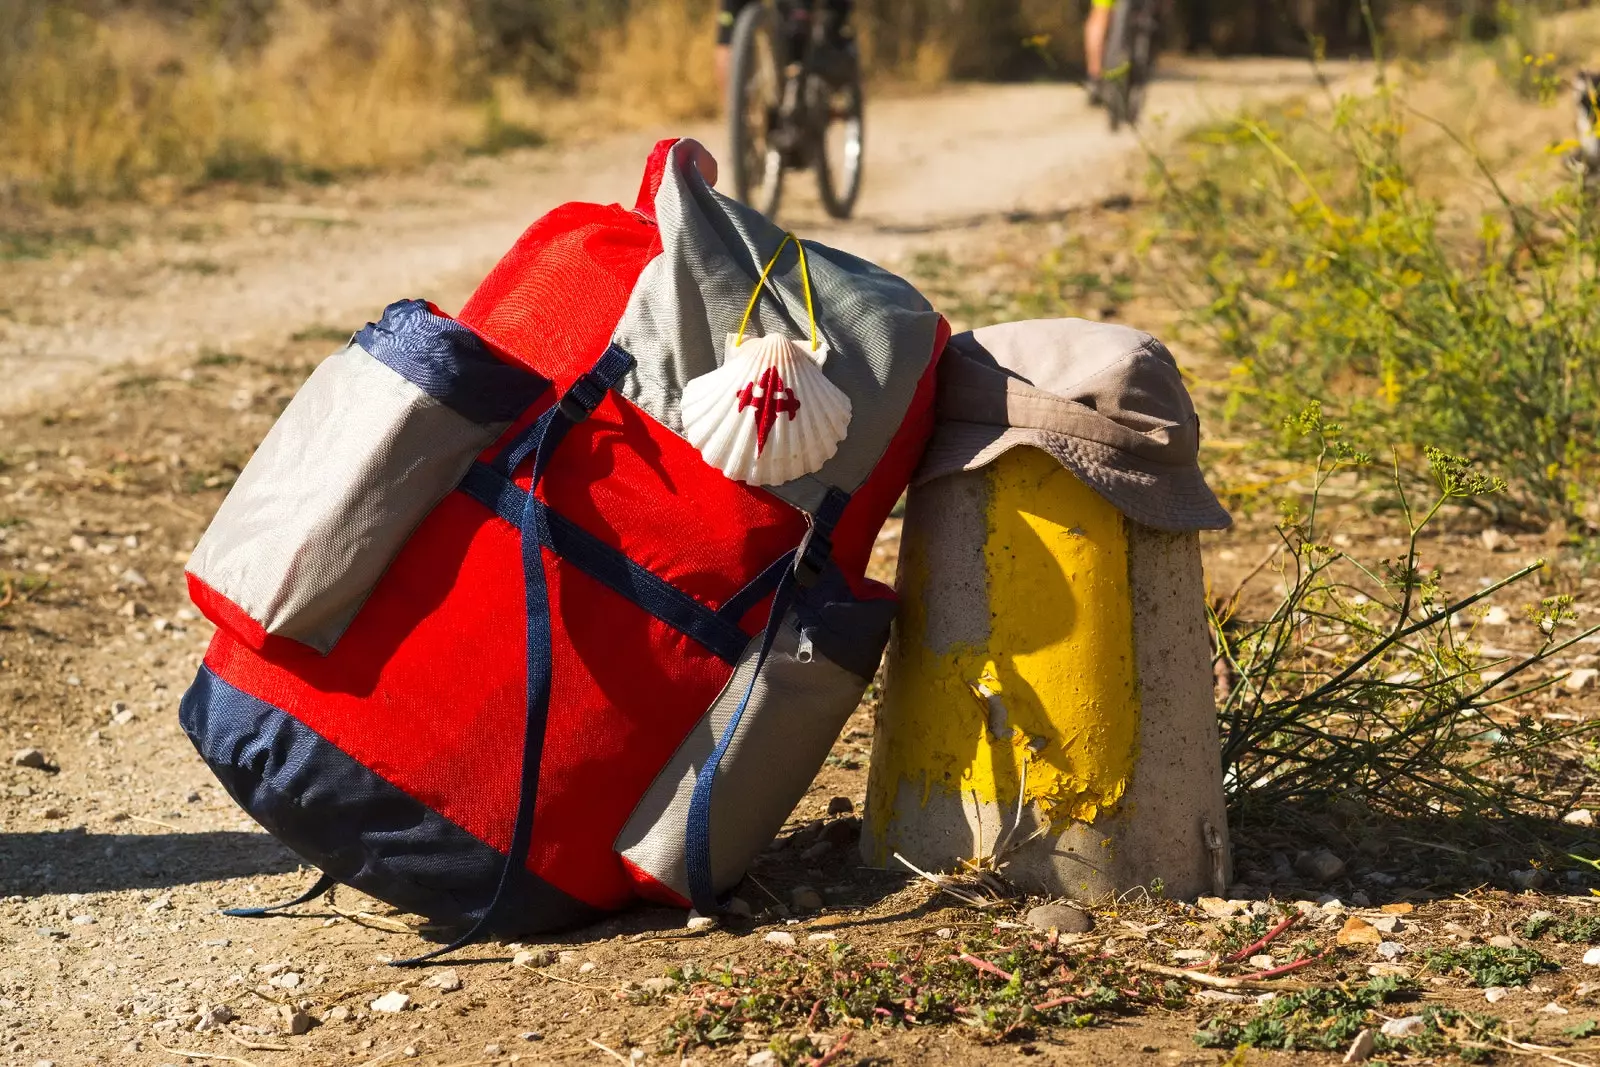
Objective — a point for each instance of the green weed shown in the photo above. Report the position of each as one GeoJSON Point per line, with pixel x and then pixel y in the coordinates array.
{"type": "Point", "coordinates": [1583, 929]}
{"type": "Point", "coordinates": [1488, 966]}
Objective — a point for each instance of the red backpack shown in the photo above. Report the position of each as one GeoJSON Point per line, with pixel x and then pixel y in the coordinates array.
{"type": "Point", "coordinates": [497, 642]}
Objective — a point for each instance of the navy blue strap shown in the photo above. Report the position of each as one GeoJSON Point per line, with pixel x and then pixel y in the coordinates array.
{"type": "Point", "coordinates": [323, 883]}
{"type": "Point", "coordinates": [756, 589]}
{"type": "Point", "coordinates": [577, 404]}
{"type": "Point", "coordinates": [579, 401]}
{"type": "Point", "coordinates": [718, 632]}
{"type": "Point", "coordinates": [810, 561]}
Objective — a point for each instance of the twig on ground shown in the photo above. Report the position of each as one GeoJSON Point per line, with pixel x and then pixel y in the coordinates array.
{"type": "Point", "coordinates": [1286, 968]}
{"type": "Point", "coordinates": [944, 886]}
{"type": "Point", "coordinates": [253, 1046]}
{"type": "Point", "coordinates": [613, 1053]}
{"type": "Point", "coordinates": [982, 965]}
{"type": "Point", "coordinates": [1266, 939]}
{"type": "Point", "coordinates": [9, 595]}
{"type": "Point", "coordinates": [833, 1053]}
{"type": "Point", "coordinates": [156, 822]}
{"type": "Point", "coordinates": [191, 1054]}
{"type": "Point", "coordinates": [374, 922]}
{"type": "Point", "coordinates": [1216, 981]}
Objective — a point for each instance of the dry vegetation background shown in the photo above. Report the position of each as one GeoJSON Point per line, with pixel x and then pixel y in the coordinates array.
{"type": "Point", "coordinates": [111, 98]}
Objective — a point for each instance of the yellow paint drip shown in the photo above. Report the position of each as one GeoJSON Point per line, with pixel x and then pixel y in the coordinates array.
{"type": "Point", "coordinates": [1053, 686]}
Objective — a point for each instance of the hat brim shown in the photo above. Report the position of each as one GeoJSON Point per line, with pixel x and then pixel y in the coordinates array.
{"type": "Point", "coordinates": [1172, 498]}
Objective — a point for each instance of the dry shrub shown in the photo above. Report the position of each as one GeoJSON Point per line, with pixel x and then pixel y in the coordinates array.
{"type": "Point", "coordinates": [657, 65]}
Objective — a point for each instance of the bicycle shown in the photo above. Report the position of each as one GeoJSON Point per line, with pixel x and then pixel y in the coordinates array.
{"type": "Point", "coordinates": [794, 101]}
{"type": "Point", "coordinates": [1130, 57]}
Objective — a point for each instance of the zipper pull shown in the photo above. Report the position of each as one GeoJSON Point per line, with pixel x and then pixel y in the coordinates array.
{"type": "Point", "coordinates": [803, 653]}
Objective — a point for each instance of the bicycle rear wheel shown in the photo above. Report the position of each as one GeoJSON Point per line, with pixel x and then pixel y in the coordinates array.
{"type": "Point", "coordinates": [755, 91]}
{"type": "Point", "coordinates": [840, 148]}
{"type": "Point", "coordinates": [1129, 52]}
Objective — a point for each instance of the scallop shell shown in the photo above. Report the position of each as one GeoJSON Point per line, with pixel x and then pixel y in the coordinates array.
{"type": "Point", "coordinates": [768, 415]}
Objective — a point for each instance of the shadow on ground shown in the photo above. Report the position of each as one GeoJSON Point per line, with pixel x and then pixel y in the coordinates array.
{"type": "Point", "coordinates": [75, 861]}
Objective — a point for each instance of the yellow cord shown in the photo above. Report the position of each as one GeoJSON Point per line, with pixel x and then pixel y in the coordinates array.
{"type": "Point", "coordinates": [805, 281]}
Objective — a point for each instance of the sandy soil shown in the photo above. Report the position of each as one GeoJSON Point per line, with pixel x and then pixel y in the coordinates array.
{"type": "Point", "coordinates": [138, 368]}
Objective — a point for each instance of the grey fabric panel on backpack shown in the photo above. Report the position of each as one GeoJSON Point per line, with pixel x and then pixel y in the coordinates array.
{"type": "Point", "coordinates": [795, 713]}
{"type": "Point", "coordinates": [880, 330]}
{"type": "Point", "coordinates": [354, 464]}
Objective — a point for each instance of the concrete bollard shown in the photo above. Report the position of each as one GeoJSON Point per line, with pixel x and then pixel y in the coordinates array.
{"type": "Point", "coordinates": [1048, 702]}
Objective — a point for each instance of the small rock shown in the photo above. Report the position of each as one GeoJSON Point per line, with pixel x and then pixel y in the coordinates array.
{"type": "Point", "coordinates": [1222, 996]}
{"type": "Point", "coordinates": [214, 1018]}
{"type": "Point", "coordinates": [121, 714]}
{"type": "Point", "coordinates": [219, 942]}
{"type": "Point", "coordinates": [51, 813]}
{"type": "Point", "coordinates": [1360, 1050]}
{"type": "Point", "coordinates": [492, 1050]}
{"type": "Point", "coordinates": [161, 903]}
{"type": "Point", "coordinates": [83, 920]}
{"type": "Point", "coordinates": [659, 985]}
{"type": "Point", "coordinates": [1553, 1008]}
{"type": "Point", "coordinates": [1262, 962]}
{"type": "Point", "coordinates": [1579, 817]}
{"type": "Point", "coordinates": [531, 1035]}
{"type": "Point", "coordinates": [1218, 908]}
{"type": "Point", "coordinates": [804, 898]}
{"type": "Point", "coordinates": [840, 806]}
{"type": "Point", "coordinates": [1388, 970]}
{"type": "Point", "coordinates": [1409, 1026]}
{"type": "Point", "coordinates": [393, 1003]}
{"type": "Point", "coordinates": [270, 969]}
{"type": "Point", "coordinates": [1358, 932]}
{"type": "Point", "coordinates": [1496, 993]}
{"type": "Point", "coordinates": [295, 1022]}
{"type": "Point", "coordinates": [1190, 954]}
{"type": "Point", "coordinates": [1060, 917]}
{"type": "Point", "coordinates": [825, 935]}
{"type": "Point", "coordinates": [286, 980]}
{"type": "Point", "coordinates": [1465, 933]}
{"type": "Point", "coordinates": [337, 1014]}
{"type": "Point", "coordinates": [740, 908]}
{"type": "Point", "coordinates": [699, 922]}
{"type": "Point", "coordinates": [1391, 950]}
{"type": "Point", "coordinates": [53, 935]}
{"type": "Point", "coordinates": [816, 851]}
{"type": "Point", "coordinates": [445, 981]}
{"type": "Point", "coordinates": [1496, 616]}
{"type": "Point", "coordinates": [1592, 957]}
{"type": "Point", "coordinates": [1530, 879]}
{"type": "Point", "coordinates": [1503, 941]}
{"type": "Point", "coordinates": [1580, 679]}
{"type": "Point", "coordinates": [1388, 924]}
{"type": "Point", "coordinates": [588, 967]}
{"type": "Point", "coordinates": [133, 579]}
{"type": "Point", "coordinates": [1320, 865]}
{"type": "Point", "coordinates": [31, 758]}
{"type": "Point", "coordinates": [781, 938]}
{"type": "Point", "coordinates": [533, 957]}
{"type": "Point", "coordinates": [765, 1058]}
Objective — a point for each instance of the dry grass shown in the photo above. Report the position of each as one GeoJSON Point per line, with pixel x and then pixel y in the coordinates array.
{"type": "Point", "coordinates": [657, 65]}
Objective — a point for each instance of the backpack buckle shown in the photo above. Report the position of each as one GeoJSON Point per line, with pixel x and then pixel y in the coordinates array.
{"type": "Point", "coordinates": [579, 402]}
{"type": "Point", "coordinates": [812, 558]}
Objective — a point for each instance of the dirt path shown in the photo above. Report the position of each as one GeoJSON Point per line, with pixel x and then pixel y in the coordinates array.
{"type": "Point", "coordinates": [225, 277]}
{"type": "Point", "coordinates": [116, 857]}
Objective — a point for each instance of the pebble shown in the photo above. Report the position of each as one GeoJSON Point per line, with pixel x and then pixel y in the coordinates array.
{"type": "Point", "coordinates": [393, 1002]}
{"type": "Point", "coordinates": [121, 714]}
{"type": "Point", "coordinates": [1582, 678]}
{"type": "Point", "coordinates": [31, 758]}
{"type": "Point", "coordinates": [1262, 963]}
{"type": "Point", "coordinates": [826, 935]}
{"type": "Point", "coordinates": [1320, 865]}
{"type": "Point", "coordinates": [531, 957]}
{"type": "Point", "coordinates": [700, 922]}
{"type": "Point", "coordinates": [1465, 933]}
{"type": "Point", "coordinates": [270, 969]}
{"type": "Point", "coordinates": [295, 1022]}
{"type": "Point", "coordinates": [1409, 1026]}
{"type": "Point", "coordinates": [781, 938]}
{"type": "Point", "coordinates": [1391, 950]}
{"type": "Point", "coordinates": [1553, 1008]}
{"type": "Point", "coordinates": [1360, 1050]}
{"type": "Point", "coordinates": [1388, 924]}
{"type": "Point", "coordinates": [841, 806]}
{"type": "Point", "coordinates": [1067, 920]}
{"type": "Point", "coordinates": [214, 1018]}
{"type": "Point", "coordinates": [1579, 817]}
{"type": "Point", "coordinates": [1592, 957]}
{"type": "Point", "coordinates": [804, 898]}
{"type": "Point", "coordinates": [765, 1058]}
{"type": "Point", "coordinates": [659, 985]}
{"type": "Point", "coordinates": [1496, 616]}
{"type": "Point", "coordinates": [337, 1014]}
{"type": "Point", "coordinates": [1388, 970]}
{"type": "Point", "coordinates": [133, 579]}
{"type": "Point", "coordinates": [161, 903]}
{"type": "Point", "coordinates": [1502, 941]}
{"type": "Point", "coordinates": [286, 980]}
{"type": "Point", "coordinates": [1190, 954]}
{"type": "Point", "coordinates": [1496, 993]}
{"type": "Point", "coordinates": [1218, 908]}
{"type": "Point", "coordinates": [944, 933]}
{"type": "Point", "coordinates": [492, 1050]}
{"type": "Point", "coordinates": [1358, 932]}
{"type": "Point", "coordinates": [446, 981]}
{"type": "Point", "coordinates": [588, 967]}
{"type": "Point", "coordinates": [83, 920]}
{"type": "Point", "coordinates": [531, 1035]}
{"type": "Point", "coordinates": [1223, 996]}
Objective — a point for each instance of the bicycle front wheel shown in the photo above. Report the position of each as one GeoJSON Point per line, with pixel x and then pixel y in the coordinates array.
{"type": "Point", "coordinates": [841, 142]}
{"type": "Point", "coordinates": [755, 88]}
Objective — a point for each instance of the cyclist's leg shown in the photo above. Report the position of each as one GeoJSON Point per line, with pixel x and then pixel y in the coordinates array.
{"type": "Point", "coordinates": [1095, 30]}
{"type": "Point", "coordinates": [727, 15]}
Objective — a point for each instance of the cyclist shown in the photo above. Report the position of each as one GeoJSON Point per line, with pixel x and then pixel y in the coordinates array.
{"type": "Point", "coordinates": [1095, 30]}
{"type": "Point", "coordinates": [840, 33]}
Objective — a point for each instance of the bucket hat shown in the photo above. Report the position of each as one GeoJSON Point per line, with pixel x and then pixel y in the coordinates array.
{"type": "Point", "coordinates": [1107, 401]}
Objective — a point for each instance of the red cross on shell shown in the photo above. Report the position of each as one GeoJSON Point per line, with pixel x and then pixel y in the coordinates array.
{"type": "Point", "coordinates": [769, 414]}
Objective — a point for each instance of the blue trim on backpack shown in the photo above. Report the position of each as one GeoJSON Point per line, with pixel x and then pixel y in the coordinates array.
{"type": "Point", "coordinates": [575, 405]}
{"type": "Point", "coordinates": [349, 821]}
{"type": "Point", "coordinates": [811, 563]}
{"type": "Point", "coordinates": [450, 363]}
